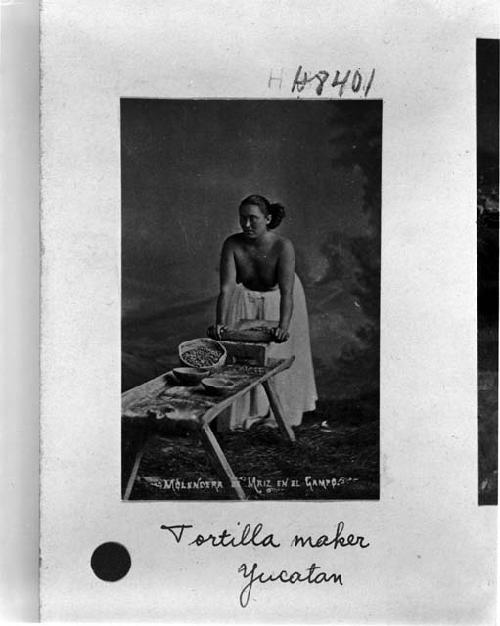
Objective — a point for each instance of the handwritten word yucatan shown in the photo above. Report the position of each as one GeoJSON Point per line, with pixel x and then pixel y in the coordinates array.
{"type": "Point", "coordinates": [335, 83]}
{"type": "Point", "coordinates": [255, 536]}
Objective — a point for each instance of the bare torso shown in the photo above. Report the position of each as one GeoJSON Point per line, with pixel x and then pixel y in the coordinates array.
{"type": "Point", "coordinates": [257, 264]}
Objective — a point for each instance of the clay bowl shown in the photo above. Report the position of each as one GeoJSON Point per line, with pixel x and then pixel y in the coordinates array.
{"type": "Point", "coordinates": [190, 375]}
{"type": "Point", "coordinates": [217, 386]}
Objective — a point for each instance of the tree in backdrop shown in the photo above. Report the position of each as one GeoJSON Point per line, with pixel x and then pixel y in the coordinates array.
{"type": "Point", "coordinates": [357, 145]}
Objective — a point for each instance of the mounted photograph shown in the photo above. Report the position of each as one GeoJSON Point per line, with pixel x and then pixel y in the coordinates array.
{"type": "Point", "coordinates": [250, 277]}
{"type": "Point", "coordinates": [487, 112]}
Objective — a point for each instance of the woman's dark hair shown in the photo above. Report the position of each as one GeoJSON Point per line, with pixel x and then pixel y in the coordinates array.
{"type": "Point", "coordinates": [275, 210]}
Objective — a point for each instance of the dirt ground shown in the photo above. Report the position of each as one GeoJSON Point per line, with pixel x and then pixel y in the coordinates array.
{"type": "Point", "coordinates": [335, 456]}
{"type": "Point", "coordinates": [488, 437]}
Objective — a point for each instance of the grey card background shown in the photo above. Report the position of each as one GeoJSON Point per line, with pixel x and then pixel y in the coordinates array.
{"type": "Point", "coordinates": [19, 312]}
{"type": "Point", "coordinates": [432, 556]}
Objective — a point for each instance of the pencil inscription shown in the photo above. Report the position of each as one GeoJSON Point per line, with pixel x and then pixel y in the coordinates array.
{"type": "Point", "coordinates": [335, 83]}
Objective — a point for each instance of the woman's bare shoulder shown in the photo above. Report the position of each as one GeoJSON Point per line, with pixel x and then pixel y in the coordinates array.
{"type": "Point", "coordinates": [233, 241]}
{"type": "Point", "coordinates": [284, 244]}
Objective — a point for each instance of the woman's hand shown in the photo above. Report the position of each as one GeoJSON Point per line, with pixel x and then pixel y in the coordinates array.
{"type": "Point", "coordinates": [280, 334]}
{"type": "Point", "coordinates": [216, 331]}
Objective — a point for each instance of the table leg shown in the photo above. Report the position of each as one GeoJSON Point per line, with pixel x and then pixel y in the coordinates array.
{"type": "Point", "coordinates": [135, 439]}
{"type": "Point", "coordinates": [218, 457]}
{"type": "Point", "coordinates": [275, 402]}
{"type": "Point", "coordinates": [133, 473]}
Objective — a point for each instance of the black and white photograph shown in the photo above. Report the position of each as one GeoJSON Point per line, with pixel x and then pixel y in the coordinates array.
{"type": "Point", "coordinates": [487, 108]}
{"type": "Point", "coordinates": [269, 312]}
{"type": "Point", "coordinates": [250, 269]}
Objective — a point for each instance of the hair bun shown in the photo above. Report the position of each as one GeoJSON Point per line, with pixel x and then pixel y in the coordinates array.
{"type": "Point", "coordinates": [277, 212]}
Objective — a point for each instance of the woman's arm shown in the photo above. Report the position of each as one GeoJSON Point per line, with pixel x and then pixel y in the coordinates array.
{"type": "Point", "coordinates": [286, 276]}
{"type": "Point", "coordinates": [227, 279]}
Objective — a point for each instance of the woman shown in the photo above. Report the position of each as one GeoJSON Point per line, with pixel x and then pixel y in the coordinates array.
{"type": "Point", "coordinates": [258, 281]}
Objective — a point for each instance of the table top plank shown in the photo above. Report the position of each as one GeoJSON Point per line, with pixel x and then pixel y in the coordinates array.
{"type": "Point", "coordinates": [171, 400]}
{"type": "Point", "coordinates": [247, 383]}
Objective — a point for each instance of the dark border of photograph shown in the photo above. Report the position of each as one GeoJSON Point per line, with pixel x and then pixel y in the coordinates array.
{"type": "Point", "coordinates": [487, 107]}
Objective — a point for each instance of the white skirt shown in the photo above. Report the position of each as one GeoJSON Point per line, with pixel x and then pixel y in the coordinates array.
{"type": "Point", "coordinates": [296, 386]}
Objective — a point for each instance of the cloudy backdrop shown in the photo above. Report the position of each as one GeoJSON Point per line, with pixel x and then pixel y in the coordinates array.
{"type": "Point", "coordinates": [186, 165]}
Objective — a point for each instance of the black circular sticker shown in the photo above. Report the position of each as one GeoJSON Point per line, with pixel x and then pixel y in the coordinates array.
{"type": "Point", "coordinates": [110, 561]}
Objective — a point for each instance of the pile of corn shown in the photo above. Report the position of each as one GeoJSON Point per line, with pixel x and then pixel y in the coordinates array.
{"type": "Point", "coordinates": [202, 356]}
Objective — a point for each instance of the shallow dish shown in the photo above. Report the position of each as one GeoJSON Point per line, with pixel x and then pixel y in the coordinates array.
{"type": "Point", "coordinates": [217, 385]}
{"type": "Point", "coordinates": [190, 375]}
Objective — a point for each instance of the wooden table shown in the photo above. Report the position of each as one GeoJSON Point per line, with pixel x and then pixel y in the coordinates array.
{"type": "Point", "coordinates": [152, 409]}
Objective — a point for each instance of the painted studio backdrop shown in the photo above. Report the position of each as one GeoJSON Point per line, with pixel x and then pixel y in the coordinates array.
{"type": "Point", "coordinates": [185, 166]}
{"type": "Point", "coordinates": [487, 107]}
